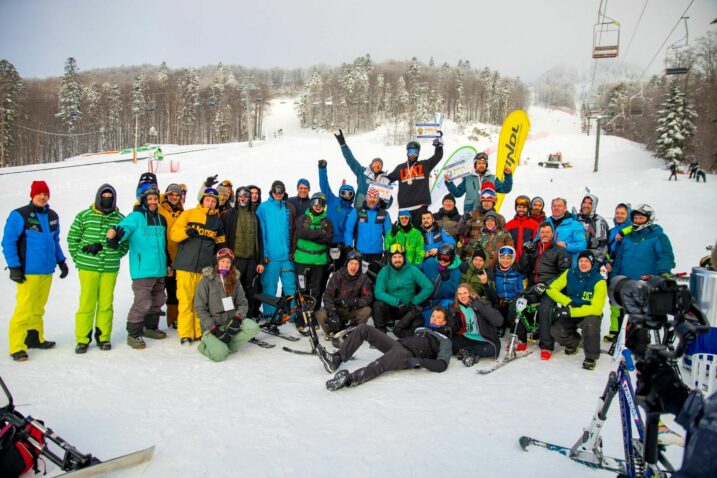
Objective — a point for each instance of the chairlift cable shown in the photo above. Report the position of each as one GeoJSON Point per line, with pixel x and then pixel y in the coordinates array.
{"type": "Point", "coordinates": [632, 37]}
{"type": "Point", "coordinates": [666, 40]}
{"type": "Point", "coordinates": [55, 134]}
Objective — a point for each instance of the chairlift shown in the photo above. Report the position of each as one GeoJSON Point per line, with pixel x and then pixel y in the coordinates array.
{"type": "Point", "coordinates": [211, 101]}
{"type": "Point", "coordinates": [676, 55]}
{"type": "Point", "coordinates": [606, 36]}
{"type": "Point", "coordinates": [636, 104]}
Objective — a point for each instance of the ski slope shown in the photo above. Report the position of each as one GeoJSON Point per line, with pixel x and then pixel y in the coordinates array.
{"type": "Point", "coordinates": [266, 413]}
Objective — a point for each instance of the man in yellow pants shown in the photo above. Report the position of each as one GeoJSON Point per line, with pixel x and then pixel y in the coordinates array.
{"type": "Point", "coordinates": [31, 246]}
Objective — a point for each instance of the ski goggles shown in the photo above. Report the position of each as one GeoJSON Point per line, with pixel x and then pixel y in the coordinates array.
{"type": "Point", "coordinates": [506, 251]}
{"type": "Point", "coordinates": [243, 193]}
{"type": "Point", "coordinates": [211, 192]}
{"type": "Point", "coordinates": [445, 258]}
{"type": "Point", "coordinates": [318, 201]}
{"type": "Point", "coordinates": [354, 256]}
{"type": "Point", "coordinates": [346, 194]}
{"type": "Point", "coordinates": [226, 183]}
{"type": "Point", "coordinates": [225, 252]}
{"type": "Point", "coordinates": [522, 202]}
{"type": "Point", "coordinates": [396, 249]}
{"type": "Point", "coordinates": [278, 190]}
{"type": "Point", "coordinates": [412, 152]}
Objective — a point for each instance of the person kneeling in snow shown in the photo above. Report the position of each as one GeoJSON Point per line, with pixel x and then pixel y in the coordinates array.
{"type": "Point", "coordinates": [428, 348]}
{"type": "Point", "coordinates": [221, 306]}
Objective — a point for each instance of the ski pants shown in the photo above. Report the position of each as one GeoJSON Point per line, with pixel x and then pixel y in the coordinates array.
{"type": "Point", "coordinates": [30, 303]}
{"type": "Point", "coordinates": [346, 317]}
{"type": "Point", "coordinates": [149, 297]}
{"type": "Point", "coordinates": [701, 175]}
{"type": "Point", "coordinates": [394, 354]}
{"type": "Point", "coordinates": [545, 319]}
{"type": "Point", "coordinates": [566, 333]}
{"type": "Point", "coordinates": [481, 348]}
{"type": "Point", "coordinates": [273, 271]}
{"type": "Point", "coordinates": [673, 175]}
{"type": "Point", "coordinates": [95, 309]}
{"type": "Point", "coordinates": [188, 325]}
{"type": "Point", "coordinates": [248, 278]}
{"type": "Point", "coordinates": [616, 316]}
{"type": "Point", "coordinates": [216, 350]}
{"type": "Point", "coordinates": [317, 280]}
{"type": "Point", "coordinates": [384, 315]}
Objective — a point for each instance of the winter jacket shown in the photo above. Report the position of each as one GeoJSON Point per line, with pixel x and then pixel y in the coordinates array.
{"type": "Point", "coordinates": [584, 292]}
{"type": "Point", "coordinates": [448, 221]}
{"type": "Point", "coordinates": [644, 252]}
{"type": "Point", "coordinates": [31, 240]}
{"type": "Point", "coordinates": [596, 231]}
{"type": "Point", "coordinates": [445, 281]}
{"type": "Point", "coordinates": [146, 233]}
{"type": "Point", "coordinates": [490, 242]}
{"type": "Point", "coordinates": [613, 244]}
{"type": "Point", "coordinates": [471, 224]}
{"type": "Point", "coordinates": [433, 347]}
{"type": "Point", "coordinates": [522, 229]}
{"type": "Point", "coordinates": [170, 213]}
{"type": "Point", "coordinates": [364, 177]}
{"type": "Point", "coordinates": [487, 317]}
{"type": "Point", "coordinates": [435, 238]}
{"type": "Point", "coordinates": [229, 222]}
{"type": "Point", "coordinates": [367, 228]}
{"type": "Point", "coordinates": [208, 297]}
{"type": "Point", "coordinates": [413, 187]}
{"type": "Point", "coordinates": [471, 186]}
{"type": "Point", "coordinates": [314, 233]}
{"type": "Point", "coordinates": [539, 218]}
{"type": "Point", "coordinates": [89, 227]}
{"type": "Point", "coordinates": [354, 290]}
{"type": "Point", "coordinates": [407, 285]}
{"type": "Point", "coordinates": [507, 284]}
{"type": "Point", "coordinates": [412, 242]}
{"type": "Point", "coordinates": [337, 209]}
{"type": "Point", "coordinates": [277, 226]}
{"type": "Point", "coordinates": [472, 277]}
{"type": "Point", "coordinates": [572, 233]}
{"type": "Point", "coordinates": [545, 263]}
{"type": "Point", "coordinates": [300, 205]}
{"type": "Point", "coordinates": [196, 253]}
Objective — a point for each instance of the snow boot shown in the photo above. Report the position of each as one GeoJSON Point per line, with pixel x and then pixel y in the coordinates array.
{"type": "Point", "coordinates": [154, 333]}
{"type": "Point", "coordinates": [574, 350]}
{"type": "Point", "coordinates": [468, 358]}
{"type": "Point", "coordinates": [331, 361]}
{"type": "Point", "coordinates": [186, 341]}
{"type": "Point", "coordinates": [340, 380]}
{"type": "Point", "coordinates": [105, 346]}
{"type": "Point", "coordinates": [20, 356]}
{"type": "Point", "coordinates": [610, 337]}
{"type": "Point", "coordinates": [81, 348]}
{"type": "Point", "coordinates": [545, 354]}
{"type": "Point", "coordinates": [32, 340]}
{"type": "Point", "coordinates": [136, 342]}
{"type": "Point", "coordinates": [589, 364]}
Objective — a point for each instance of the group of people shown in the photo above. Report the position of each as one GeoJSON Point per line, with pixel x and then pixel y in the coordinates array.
{"type": "Point", "coordinates": [440, 282]}
{"type": "Point", "coordinates": [694, 169]}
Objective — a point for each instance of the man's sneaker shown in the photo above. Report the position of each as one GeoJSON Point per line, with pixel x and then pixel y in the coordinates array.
{"type": "Point", "coordinates": [589, 364]}
{"type": "Point", "coordinates": [20, 356]}
{"type": "Point", "coordinates": [610, 338]}
{"type": "Point", "coordinates": [186, 341]}
{"type": "Point", "coordinates": [469, 358]}
{"type": "Point", "coordinates": [545, 354]}
{"type": "Point", "coordinates": [104, 345]}
{"type": "Point", "coordinates": [81, 348]}
{"type": "Point", "coordinates": [521, 347]}
{"type": "Point", "coordinates": [331, 361]}
{"type": "Point", "coordinates": [136, 342]}
{"type": "Point", "coordinates": [154, 333]}
{"type": "Point", "coordinates": [340, 380]}
{"type": "Point", "coordinates": [574, 350]}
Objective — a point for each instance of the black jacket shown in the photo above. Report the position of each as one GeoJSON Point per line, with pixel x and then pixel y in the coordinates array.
{"type": "Point", "coordinates": [300, 205]}
{"type": "Point", "coordinates": [417, 192]}
{"type": "Point", "coordinates": [544, 263]}
{"type": "Point", "coordinates": [433, 347]}
{"type": "Point", "coordinates": [341, 285]}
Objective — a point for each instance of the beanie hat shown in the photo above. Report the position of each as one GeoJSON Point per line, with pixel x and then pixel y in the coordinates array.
{"type": "Point", "coordinates": [39, 187]}
{"type": "Point", "coordinates": [449, 197]}
{"type": "Point", "coordinates": [372, 192]}
{"type": "Point", "coordinates": [303, 181]}
{"type": "Point", "coordinates": [587, 254]}
{"type": "Point", "coordinates": [536, 198]}
{"type": "Point", "coordinates": [488, 194]}
{"type": "Point", "coordinates": [479, 253]}
{"type": "Point", "coordinates": [174, 188]}
{"type": "Point", "coordinates": [377, 160]}
{"type": "Point", "coordinates": [404, 213]}
{"type": "Point", "coordinates": [490, 215]}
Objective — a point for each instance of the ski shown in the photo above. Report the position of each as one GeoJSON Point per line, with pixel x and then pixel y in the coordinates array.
{"type": "Point", "coordinates": [121, 462]}
{"type": "Point", "coordinates": [298, 352]}
{"type": "Point", "coordinates": [262, 344]}
{"type": "Point", "coordinates": [290, 338]}
{"type": "Point", "coordinates": [615, 465]}
{"type": "Point", "coordinates": [503, 362]}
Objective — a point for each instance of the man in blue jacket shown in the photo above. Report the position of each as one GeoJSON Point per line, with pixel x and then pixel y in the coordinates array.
{"type": "Point", "coordinates": [365, 176]}
{"type": "Point", "coordinates": [647, 250]}
{"type": "Point", "coordinates": [276, 218]}
{"type": "Point", "coordinates": [569, 233]}
{"type": "Point", "coordinates": [434, 236]}
{"type": "Point", "coordinates": [472, 185]}
{"type": "Point", "coordinates": [338, 207]}
{"type": "Point", "coordinates": [31, 246]}
{"type": "Point", "coordinates": [367, 227]}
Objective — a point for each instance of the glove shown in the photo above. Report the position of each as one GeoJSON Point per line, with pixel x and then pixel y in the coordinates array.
{"type": "Point", "coordinates": [395, 228]}
{"type": "Point", "coordinates": [234, 325]}
{"type": "Point", "coordinates": [468, 217]}
{"type": "Point", "coordinates": [528, 247]}
{"type": "Point", "coordinates": [438, 142]}
{"type": "Point", "coordinates": [223, 336]}
{"type": "Point", "coordinates": [333, 322]}
{"type": "Point", "coordinates": [340, 138]}
{"type": "Point", "coordinates": [17, 275]}
{"type": "Point", "coordinates": [192, 233]}
{"type": "Point", "coordinates": [92, 248]}
{"type": "Point", "coordinates": [563, 313]}
{"type": "Point", "coordinates": [63, 269]}
{"type": "Point", "coordinates": [211, 181]}
{"type": "Point", "coordinates": [351, 303]}
{"type": "Point", "coordinates": [322, 164]}
{"type": "Point", "coordinates": [413, 362]}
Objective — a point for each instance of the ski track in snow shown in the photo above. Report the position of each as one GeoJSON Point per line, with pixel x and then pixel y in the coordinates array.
{"type": "Point", "coordinates": [267, 412]}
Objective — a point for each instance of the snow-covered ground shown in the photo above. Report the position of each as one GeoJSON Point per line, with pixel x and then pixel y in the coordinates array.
{"type": "Point", "coordinates": [266, 412]}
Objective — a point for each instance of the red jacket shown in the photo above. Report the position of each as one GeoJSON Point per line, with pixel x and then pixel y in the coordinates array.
{"type": "Point", "coordinates": [522, 229]}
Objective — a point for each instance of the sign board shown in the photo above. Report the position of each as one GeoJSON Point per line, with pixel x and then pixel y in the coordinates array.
{"type": "Point", "coordinates": [384, 191]}
{"type": "Point", "coordinates": [459, 169]}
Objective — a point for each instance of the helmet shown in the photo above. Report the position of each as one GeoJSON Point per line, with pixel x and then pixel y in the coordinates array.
{"type": "Point", "coordinates": [447, 252]}
{"type": "Point", "coordinates": [643, 210]}
{"type": "Point", "coordinates": [211, 192]}
{"type": "Point", "coordinates": [522, 201]}
{"type": "Point", "coordinates": [146, 189]}
{"type": "Point", "coordinates": [354, 255]}
{"type": "Point", "coordinates": [318, 199]}
{"type": "Point", "coordinates": [413, 145]}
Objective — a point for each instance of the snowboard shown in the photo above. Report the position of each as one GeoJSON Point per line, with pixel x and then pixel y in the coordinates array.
{"type": "Point", "coordinates": [121, 462]}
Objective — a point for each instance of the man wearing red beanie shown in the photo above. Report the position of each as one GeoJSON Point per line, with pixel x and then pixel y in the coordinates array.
{"type": "Point", "coordinates": [31, 246]}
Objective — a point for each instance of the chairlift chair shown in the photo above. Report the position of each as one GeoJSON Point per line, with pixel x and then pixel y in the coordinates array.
{"type": "Point", "coordinates": [676, 55]}
{"type": "Point", "coordinates": [606, 36]}
{"type": "Point", "coordinates": [636, 104]}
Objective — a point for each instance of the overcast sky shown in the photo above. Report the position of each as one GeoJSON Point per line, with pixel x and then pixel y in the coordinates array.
{"type": "Point", "coordinates": [516, 37]}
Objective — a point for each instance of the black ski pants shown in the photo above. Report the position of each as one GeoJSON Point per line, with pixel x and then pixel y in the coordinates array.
{"type": "Point", "coordinates": [545, 319]}
{"type": "Point", "coordinates": [566, 333]}
{"type": "Point", "coordinates": [403, 325]}
{"type": "Point", "coordinates": [249, 280]}
{"type": "Point", "coordinates": [394, 354]}
{"type": "Point", "coordinates": [481, 348]}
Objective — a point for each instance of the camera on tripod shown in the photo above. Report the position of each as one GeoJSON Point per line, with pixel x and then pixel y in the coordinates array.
{"type": "Point", "coordinates": [657, 297]}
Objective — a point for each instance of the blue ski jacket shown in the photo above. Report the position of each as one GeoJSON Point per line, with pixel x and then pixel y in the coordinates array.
{"type": "Point", "coordinates": [337, 209]}
{"type": "Point", "coordinates": [31, 240]}
{"type": "Point", "coordinates": [368, 227]}
{"type": "Point", "coordinates": [276, 220]}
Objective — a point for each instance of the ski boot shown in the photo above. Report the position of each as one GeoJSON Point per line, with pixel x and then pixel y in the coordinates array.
{"type": "Point", "coordinates": [105, 345]}
{"type": "Point", "coordinates": [340, 380]}
{"type": "Point", "coordinates": [33, 341]}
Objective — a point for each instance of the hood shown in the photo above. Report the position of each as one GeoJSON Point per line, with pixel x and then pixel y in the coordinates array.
{"type": "Point", "coordinates": [346, 187]}
{"type": "Point", "coordinates": [594, 199]}
{"type": "Point", "coordinates": [102, 189]}
{"type": "Point", "coordinates": [250, 187]}
{"type": "Point", "coordinates": [628, 221]}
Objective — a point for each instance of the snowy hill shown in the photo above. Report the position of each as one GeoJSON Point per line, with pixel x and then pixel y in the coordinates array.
{"type": "Point", "coordinates": [266, 412]}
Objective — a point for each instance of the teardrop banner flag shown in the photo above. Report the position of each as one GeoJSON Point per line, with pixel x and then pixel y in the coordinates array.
{"type": "Point", "coordinates": [510, 144]}
{"type": "Point", "coordinates": [437, 182]}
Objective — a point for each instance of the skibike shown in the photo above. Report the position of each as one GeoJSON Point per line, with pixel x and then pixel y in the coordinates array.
{"type": "Point", "coordinates": [24, 440]}
{"type": "Point", "coordinates": [526, 305]}
{"type": "Point", "coordinates": [644, 455]}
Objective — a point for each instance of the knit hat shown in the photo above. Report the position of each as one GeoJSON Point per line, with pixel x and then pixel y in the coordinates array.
{"type": "Point", "coordinates": [303, 181]}
{"type": "Point", "coordinates": [488, 194]}
{"type": "Point", "coordinates": [536, 198]}
{"type": "Point", "coordinates": [449, 197]}
{"type": "Point", "coordinates": [372, 192]}
{"type": "Point", "coordinates": [587, 254]}
{"type": "Point", "coordinates": [377, 160]}
{"type": "Point", "coordinates": [404, 213]}
{"type": "Point", "coordinates": [479, 253]}
{"type": "Point", "coordinates": [39, 187]}
{"type": "Point", "coordinates": [174, 188]}
{"type": "Point", "coordinates": [491, 215]}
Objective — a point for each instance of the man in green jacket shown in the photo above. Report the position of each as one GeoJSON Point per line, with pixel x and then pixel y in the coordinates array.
{"type": "Point", "coordinates": [314, 234]}
{"type": "Point", "coordinates": [581, 293]}
{"type": "Point", "coordinates": [403, 232]}
{"type": "Point", "coordinates": [97, 267]}
{"type": "Point", "coordinates": [400, 290]}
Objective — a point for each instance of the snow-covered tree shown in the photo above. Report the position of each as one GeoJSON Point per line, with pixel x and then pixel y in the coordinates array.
{"type": "Point", "coordinates": [11, 89]}
{"type": "Point", "coordinates": [70, 96]}
{"type": "Point", "coordinates": [189, 102]}
{"type": "Point", "coordinates": [139, 96]}
{"type": "Point", "coordinates": [460, 96]}
{"type": "Point", "coordinates": [675, 127]}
